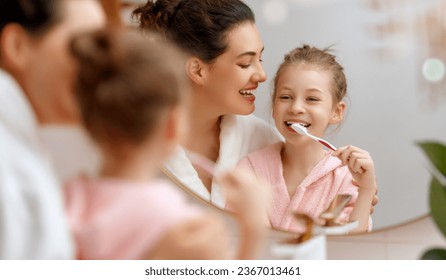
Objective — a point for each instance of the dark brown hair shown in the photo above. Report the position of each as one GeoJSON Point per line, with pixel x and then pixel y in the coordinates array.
{"type": "Point", "coordinates": [36, 16]}
{"type": "Point", "coordinates": [199, 27]}
{"type": "Point", "coordinates": [321, 59]}
{"type": "Point", "coordinates": [126, 82]}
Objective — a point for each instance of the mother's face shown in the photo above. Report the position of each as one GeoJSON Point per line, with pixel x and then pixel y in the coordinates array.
{"type": "Point", "coordinates": [49, 75]}
{"type": "Point", "coordinates": [236, 74]}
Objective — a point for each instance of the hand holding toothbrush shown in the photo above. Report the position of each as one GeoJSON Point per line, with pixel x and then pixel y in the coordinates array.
{"type": "Point", "coordinates": [365, 174]}
{"type": "Point", "coordinates": [360, 164]}
{"type": "Point", "coordinates": [358, 161]}
{"type": "Point", "coordinates": [248, 198]}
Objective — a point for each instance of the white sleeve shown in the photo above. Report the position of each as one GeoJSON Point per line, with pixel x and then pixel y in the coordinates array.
{"type": "Point", "coordinates": [32, 219]}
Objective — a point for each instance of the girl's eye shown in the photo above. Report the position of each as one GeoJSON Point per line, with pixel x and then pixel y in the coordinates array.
{"type": "Point", "coordinates": [244, 66]}
{"type": "Point", "coordinates": [261, 60]}
{"type": "Point", "coordinates": [312, 99]}
{"type": "Point", "coordinates": [284, 97]}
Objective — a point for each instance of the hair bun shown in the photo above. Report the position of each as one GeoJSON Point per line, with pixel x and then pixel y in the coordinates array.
{"type": "Point", "coordinates": [96, 52]}
{"type": "Point", "coordinates": [156, 15]}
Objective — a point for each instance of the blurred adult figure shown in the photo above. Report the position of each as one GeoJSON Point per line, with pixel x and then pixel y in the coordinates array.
{"type": "Point", "coordinates": [36, 80]}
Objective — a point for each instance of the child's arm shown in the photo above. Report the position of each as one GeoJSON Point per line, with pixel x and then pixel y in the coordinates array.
{"type": "Point", "coordinates": [249, 198]}
{"type": "Point", "coordinates": [200, 238]}
{"type": "Point", "coordinates": [361, 166]}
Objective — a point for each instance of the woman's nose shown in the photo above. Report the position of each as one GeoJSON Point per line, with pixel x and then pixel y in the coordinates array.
{"type": "Point", "coordinates": [259, 76]}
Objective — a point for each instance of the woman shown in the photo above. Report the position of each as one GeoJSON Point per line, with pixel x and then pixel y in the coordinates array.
{"type": "Point", "coordinates": [224, 68]}
{"type": "Point", "coordinates": [36, 80]}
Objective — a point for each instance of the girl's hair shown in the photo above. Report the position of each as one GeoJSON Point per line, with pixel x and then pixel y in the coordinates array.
{"type": "Point", "coordinates": [36, 16]}
{"type": "Point", "coordinates": [126, 82]}
{"type": "Point", "coordinates": [317, 58]}
{"type": "Point", "coordinates": [199, 27]}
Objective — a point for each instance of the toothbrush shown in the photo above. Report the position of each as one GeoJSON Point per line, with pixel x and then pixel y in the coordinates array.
{"type": "Point", "coordinates": [335, 208]}
{"type": "Point", "coordinates": [202, 162]}
{"type": "Point", "coordinates": [303, 130]}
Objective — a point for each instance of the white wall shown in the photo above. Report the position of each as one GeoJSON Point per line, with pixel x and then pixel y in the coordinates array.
{"type": "Point", "coordinates": [390, 108]}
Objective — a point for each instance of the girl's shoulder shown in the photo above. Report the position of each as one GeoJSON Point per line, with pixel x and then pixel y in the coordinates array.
{"type": "Point", "coordinates": [157, 195]}
{"type": "Point", "coordinates": [270, 151]}
{"type": "Point", "coordinates": [263, 159]}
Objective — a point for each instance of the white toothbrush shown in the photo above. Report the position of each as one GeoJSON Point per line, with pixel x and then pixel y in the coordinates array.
{"type": "Point", "coordinates": [303, 130]}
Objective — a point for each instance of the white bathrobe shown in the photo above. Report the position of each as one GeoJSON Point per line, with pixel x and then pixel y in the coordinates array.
{"type": "Point", "coordinates": [239, 136]}
{"type": "Point", "coordinates": [32, 219]}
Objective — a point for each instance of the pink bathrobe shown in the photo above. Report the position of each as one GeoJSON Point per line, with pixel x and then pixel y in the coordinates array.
{"type": "Point", "coordinates": [327, 179]}
{"type": "Point", "coordinates": [118, 219]}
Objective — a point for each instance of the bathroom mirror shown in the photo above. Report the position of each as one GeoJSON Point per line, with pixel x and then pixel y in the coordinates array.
{"type": "Point", "coordinates": [390, 104]}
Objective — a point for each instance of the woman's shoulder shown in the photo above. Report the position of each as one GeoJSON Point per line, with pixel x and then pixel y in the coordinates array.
{"type": "Point", "coordinates": [251, 121]}
{"type": "Point", "coordinates": [253, 132]}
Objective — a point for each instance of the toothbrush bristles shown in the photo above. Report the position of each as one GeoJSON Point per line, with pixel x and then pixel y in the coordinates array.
{"type": "Point", "coordinates": [299, 128]}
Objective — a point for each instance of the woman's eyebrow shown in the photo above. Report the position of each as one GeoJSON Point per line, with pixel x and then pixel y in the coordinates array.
{"type": "Point", "coordinates": [250, 53]}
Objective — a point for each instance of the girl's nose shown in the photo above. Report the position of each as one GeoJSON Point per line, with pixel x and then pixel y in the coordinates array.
{"type": "Point", "coordinates": [297, 107]}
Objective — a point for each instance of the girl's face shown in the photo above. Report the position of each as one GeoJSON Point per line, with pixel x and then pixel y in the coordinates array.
{"type": "Point", "coordinates": [303, 95]}
{"type": "Point", "coordinates": [236, 74]}
{"type": "Point", "coordinates": [49, 76]}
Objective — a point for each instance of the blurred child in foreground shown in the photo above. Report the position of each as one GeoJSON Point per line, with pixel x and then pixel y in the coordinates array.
{"type": "Point", "coordinates": [132, 92]}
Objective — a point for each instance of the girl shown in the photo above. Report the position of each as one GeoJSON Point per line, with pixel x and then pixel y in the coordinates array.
{"type": "Point", "coordinates": [224, 66]}
{"type": "Point", "coordinates": [309, 88]}
{"type": "Point", "coordinates": [36, 74]}
{"type": "Point", "coordinates": [131, 92]}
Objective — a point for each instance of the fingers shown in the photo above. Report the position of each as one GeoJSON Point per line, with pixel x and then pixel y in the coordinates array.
{"type": "Point", "coordinates": [241, 183]}
{"type": "Point", "coordinates": [375, 200]}
{"type": "Point", "coordinates": [246, 195]}
{"type": "Point", "coordinates": [355, 158]}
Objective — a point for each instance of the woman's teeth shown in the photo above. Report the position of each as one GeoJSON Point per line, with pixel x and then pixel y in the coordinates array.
{"type": "Point", "coordinates": [247, 92]}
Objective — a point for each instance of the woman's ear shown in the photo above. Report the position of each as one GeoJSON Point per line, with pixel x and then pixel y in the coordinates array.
{"type": "Point", "coordinates": [14, 47]}
{"type": "Point", "coordinates": [338, 113]}
{"type": "Point", "coordinates": [196, 70]}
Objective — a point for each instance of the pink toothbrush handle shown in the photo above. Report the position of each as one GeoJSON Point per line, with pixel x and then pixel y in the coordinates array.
{"type": "Point", "coordinates": [328, 145]}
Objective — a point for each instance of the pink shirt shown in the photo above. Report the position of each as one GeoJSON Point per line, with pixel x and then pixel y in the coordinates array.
{"type": "Point", "coordinates": [327, 179]}
{"type": "Point", "coordinates": [118, 219]}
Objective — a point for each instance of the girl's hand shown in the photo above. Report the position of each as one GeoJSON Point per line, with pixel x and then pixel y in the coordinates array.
{"type": "Point", "coordinates": [201, 238]}
{"type": "Point", "coordinates": [375, 198]}
{"type": "Point", "coordinates": [247, 196]}
{"type": "Point", "coordinates": [360, 164]}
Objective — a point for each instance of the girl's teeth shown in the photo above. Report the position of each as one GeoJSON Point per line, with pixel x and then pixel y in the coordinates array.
{"type": "Point", "coordinates": [302, 124]}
